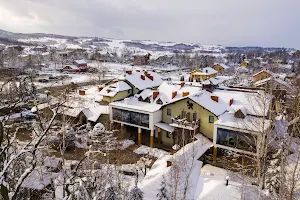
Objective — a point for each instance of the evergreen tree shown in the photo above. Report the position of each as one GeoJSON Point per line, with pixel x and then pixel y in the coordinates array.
{"type": "Point", "coordinates": [136, 194]}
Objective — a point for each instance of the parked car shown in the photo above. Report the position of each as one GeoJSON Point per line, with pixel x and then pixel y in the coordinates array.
{"type": "Point", "coordinates": [33, 102]}
{"type": "Point", "coordinates": [43, 80]}
{"type": "Point", "coordinates": [29, 116]}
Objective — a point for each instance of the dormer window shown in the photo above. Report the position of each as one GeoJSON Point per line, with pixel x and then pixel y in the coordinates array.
{"type": "Point", "coordinates": [148, 100]}
{"type": "Point", "coordinates": [140, 98]}
{"type": "Point", "coordinates": [159, 101]}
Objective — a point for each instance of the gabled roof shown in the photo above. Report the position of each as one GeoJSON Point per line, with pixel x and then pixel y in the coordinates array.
{"type": "Point", "coordinates": [113, 89]}
{"type": "Point", "coordinates": [205, 71]}
{"type": "Point", "coordinates": [222, 65]}
{"type": "Point", "coordinates": [267, 71]}
{"type": "Point", "coordinates": [79, 62]}
{"type": "Point", "coordinates": [135, 79]}
{"type": "Point", "coordinates": [204, 99]}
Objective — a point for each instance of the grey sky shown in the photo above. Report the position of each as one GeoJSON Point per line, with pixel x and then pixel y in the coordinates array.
{"type": "Point", "coordinates": [226, 22]}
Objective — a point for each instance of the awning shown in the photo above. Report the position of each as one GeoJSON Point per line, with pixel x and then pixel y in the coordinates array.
{"type": "Point", "coordinates": [164, 126]}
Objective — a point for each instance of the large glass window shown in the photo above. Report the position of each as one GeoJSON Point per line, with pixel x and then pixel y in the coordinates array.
{"type": "Point", "coordinates": [131, 117]}
{"type": "Point", "coordinates": [235, 139]}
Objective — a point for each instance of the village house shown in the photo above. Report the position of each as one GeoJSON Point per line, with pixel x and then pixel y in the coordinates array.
{"type": "Point", "coordinates": [81, 64]}
{"type": "Point", "coordinates": [245, 63]}
{"type": "Point", "coordinates": [141, 59]}
{"type": "Point", "coordinates": [118, 90]}
{"type": "Point", "coordinates": [203, 74]}
{"type": "Point", "coordinates": [263, 74]}
{"type": "Point", "coordinates": [220, 67]}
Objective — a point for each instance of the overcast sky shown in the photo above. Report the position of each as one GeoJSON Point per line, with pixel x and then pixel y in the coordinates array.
{"type": "Point", "coordinates": [227, 22]}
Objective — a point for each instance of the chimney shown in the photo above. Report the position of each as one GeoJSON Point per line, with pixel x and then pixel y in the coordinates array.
{"type": "Point", "coordinates": [155, 94]}
{"type": "Point", "coordinates": [215, 98]}
{"type": "Point", "coordinates": [184, 94]}
{"type": "Point", "coordinates": [108, 91]}
{"type": "Point", "coordinates": [129, 72]}
{"type": "Point", "coordinates": [182, 84]}
{"type": "Point", "coordinates": [99, 89]}
{"type": "Point", "coordinates": [169, 163]}
{"type": "Point", "coordinates": [150, 77]}
{"type": "Point", "coordinates": [230, 102]}
{"type": "Point", "coordinates": [174, 94]}
{"type": "Point", "coordinates": [82, 92]}
{"type": "Point", "coordinates": [142, 77]}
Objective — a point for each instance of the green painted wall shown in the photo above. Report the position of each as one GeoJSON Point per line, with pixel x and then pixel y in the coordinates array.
{"type": "Point", "coordinates": [165, 140]}
{"type": "Point", "coordinates": [205, 127]}
{"type": "Point", "coordinates": [119, 96]}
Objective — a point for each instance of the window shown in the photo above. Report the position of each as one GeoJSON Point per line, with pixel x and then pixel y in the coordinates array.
{"type": "Point", "coordinates": [169, 111]}
{"type": "Point", "coordinates": [183, 114]}
{"type": "Point", "coordinates": [194, 116]}
{"type": "Point", "coordinates": [188, 116]}
{"type": "Point", "coordinates": [211, 119]}
{"type": "Point", "coordinates": [131, 117]}
{"type": "Point", "coordinates": [235, 139]}
{"type": "Point", "coordinates": [168, 134]}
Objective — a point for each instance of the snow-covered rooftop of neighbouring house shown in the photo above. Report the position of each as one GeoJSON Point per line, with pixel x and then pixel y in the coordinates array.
{"type": "Point", "coordinates": [222, 65]}
{"type": "Point", "coordinates": [255, 102]}
{"type": "Point", "coordinates": [278, 80]}
{"type": "Point", "coordinates": [113, 89]}
{"type": "Point", "coordinates": [204, 99]}
{"type": "Point", "coordinates": [267, 71]}
{"type": "Point", "coordinates": [164, 126]}
{"type": "Point", "coordinates": [132, 103]}
{"type": "Point", "coordinates": [135, 79]}
{"type": "Point", "coordinates": [80, 61]}
{"type": "Point", "coordinates": [93, 112]}
{"type": "Point", "coordinates": [206, 71]}
{"type": "Point", "coordinates": [166, 92]}
{"type": "Point", "coordinates": [250, 123]}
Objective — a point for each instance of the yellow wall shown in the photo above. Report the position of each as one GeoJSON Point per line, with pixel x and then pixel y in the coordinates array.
{"type": "Point", "coordinates": [219, 68]}
{"type": "Point", "coordinates": [205, 127]}
{"type": "Point", "coordinates": [261, 76]}
{"type": "Point", "coordinates": [167, 141]}
{"type": "Point", "coordinates": [244, 64]}
{"type": "Point", "coordinates": [202, 77]}
{"type": "Point", "coordinates": [119, 96]}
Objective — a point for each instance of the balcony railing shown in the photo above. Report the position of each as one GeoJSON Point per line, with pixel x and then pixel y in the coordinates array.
{"type": "Point", "coordinates": [183, 123]}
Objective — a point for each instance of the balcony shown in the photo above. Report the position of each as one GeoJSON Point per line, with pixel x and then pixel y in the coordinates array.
{"type": "Point", "coordinates": [183, 123]}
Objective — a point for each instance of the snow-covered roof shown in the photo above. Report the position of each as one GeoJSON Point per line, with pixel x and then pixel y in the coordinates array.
{"type": "Point", "coordinates": [255, 102]}
{"type": "Point", "coordinates": [250, 123]}
{"type": "Point", "coordinates": [278, 80]}
{"type": "Point", "coordinates": [95, 111]}
{"type": "Point", "coordinates": [205, 71]}
{"type": "Point", "coordinates": [267, 71]}
{"type": "Point", "coordinates": [204, 99]}
{"type": "Point", "coordinates": [165, 126]}
{"type": "Point", "coordinates": [132, 103]}
{"type": "Point", "coordinates": [167, 90]}
{"type": "Point", "coordinates": [222, 65]}
{"type": "Point", "coordinates": [39, 107]}
{"type": "Point", "coordinates": [79, 62]}
{"type": "Point", "coordinates": [134, 77]}
{"type": "Point", "coordinates": [113, 89]}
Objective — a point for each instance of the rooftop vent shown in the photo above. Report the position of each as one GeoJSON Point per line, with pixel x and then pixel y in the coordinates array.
{"type": "Point", "coordinates": [129, 72]}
